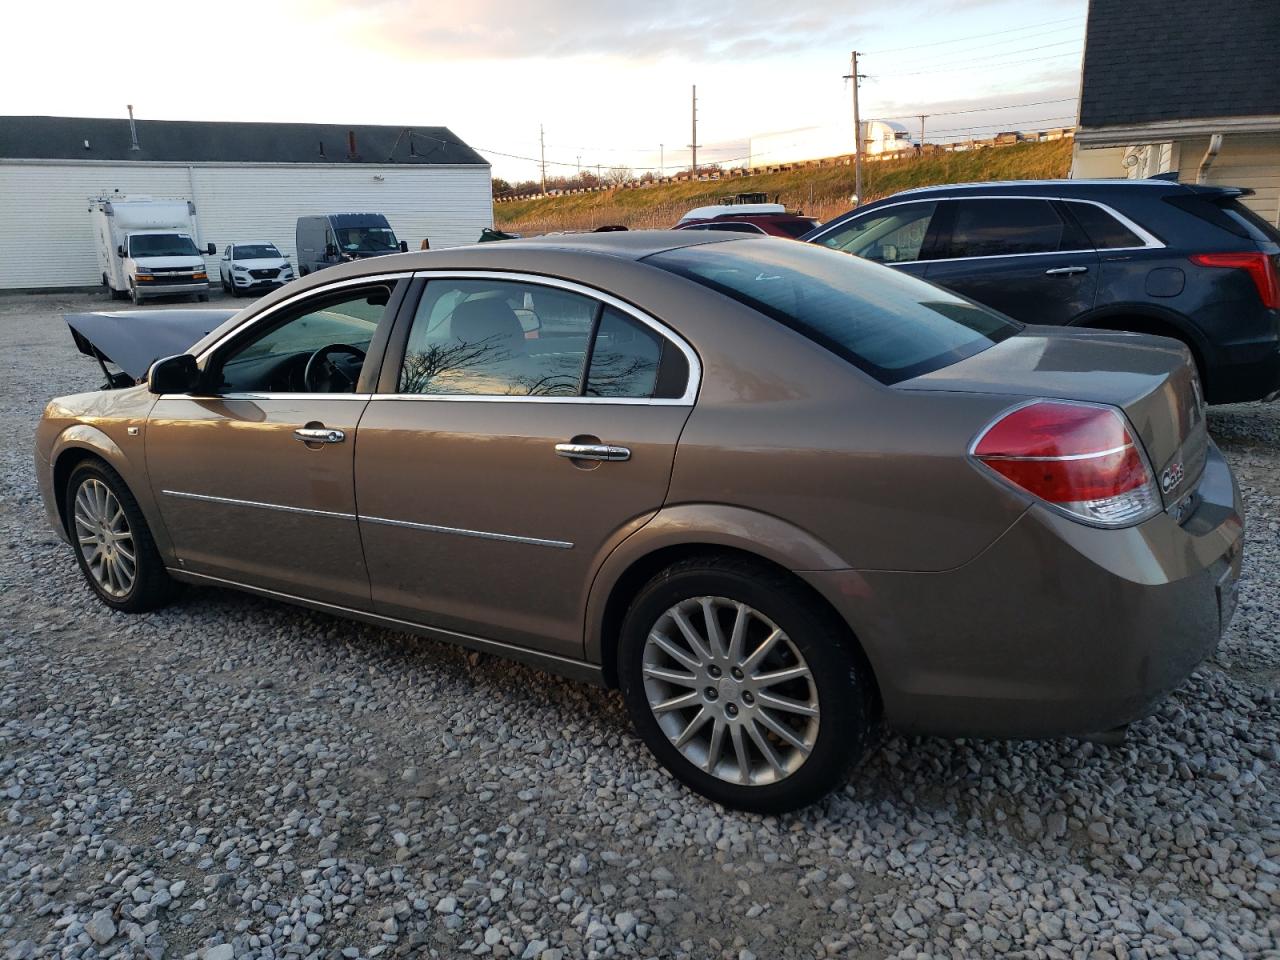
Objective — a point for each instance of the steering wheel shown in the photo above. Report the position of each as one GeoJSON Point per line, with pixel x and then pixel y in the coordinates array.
{"type": "Point", "coordinates": [325, 375]}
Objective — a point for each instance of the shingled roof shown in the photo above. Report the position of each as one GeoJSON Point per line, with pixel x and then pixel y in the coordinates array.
{"type": "Point", "coordinates": [201, 141]}
{"type": "Point", "coordinates": [1148, 61]}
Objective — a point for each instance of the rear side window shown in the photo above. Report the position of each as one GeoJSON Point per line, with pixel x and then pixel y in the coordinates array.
{"type": "Point", "coordinates": [1105, 231]}
{"type": "Point", "coordinates": [884, 322]}
{"type": "Point", "coordinates": [624, 358]}
{"type": "Point", "coordinates": [1227, 213]}
{"type": "Point", "coordinates": [796, 228]}
{"type": "Point", "coordinates": [999, 227]}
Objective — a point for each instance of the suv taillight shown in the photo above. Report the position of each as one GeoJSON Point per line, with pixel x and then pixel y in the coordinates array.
{"type": "Point", "coordinates": [1079, 457]}
{"type": "Point", "coordinates": [1260, 266]}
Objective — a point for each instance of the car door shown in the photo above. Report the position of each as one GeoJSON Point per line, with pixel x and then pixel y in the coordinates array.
{"type": "Point", "coordinates": [900, 235]}
{"type": "Point", "coordinates": [523, 426]}
{"type": "Point", "coordinates": [224, 265]}
{"type": "Point", "coordinates": [1019, 255]}
{"type": "Point", "coordinates": [254, 473]}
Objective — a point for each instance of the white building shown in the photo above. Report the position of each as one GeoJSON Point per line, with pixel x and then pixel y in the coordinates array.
{"type": "Point", "coordinates": [247, 181]}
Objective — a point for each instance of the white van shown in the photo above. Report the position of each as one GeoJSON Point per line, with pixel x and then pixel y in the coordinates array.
{"type": "Point", "coordinates": [147, 248]}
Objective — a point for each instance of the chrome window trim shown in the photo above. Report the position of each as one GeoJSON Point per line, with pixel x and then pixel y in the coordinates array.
{"type": "Point", "coordinates": [320, 289]}
{"type": "Point", "coordinates": [686, 399]}
{"type": "Point", "coordinates": [1149, 242]}
{"type": "Point", "coordinates": [409, 524]}
{"type": "Point", "coordinates": [266, 396]}
{"type": "Point", "coordinates": [463, 532]}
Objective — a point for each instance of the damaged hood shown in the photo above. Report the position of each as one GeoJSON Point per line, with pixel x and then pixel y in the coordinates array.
{"type": "Point", "coordinates": [135, 339]}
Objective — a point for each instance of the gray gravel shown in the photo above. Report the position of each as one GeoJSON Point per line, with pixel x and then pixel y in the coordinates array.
{"type": "Point", "coordinates": [235, 778]}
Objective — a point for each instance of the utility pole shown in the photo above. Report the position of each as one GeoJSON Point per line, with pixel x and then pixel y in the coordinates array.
{"type": "Point", "coordinates": [542, 145]}
{"type": "Point", "coordinates": [662, 161]}
{"type": "Point", "coordinates": [857, 128]}
{"type": "Point", "coordinates": [922, 117]}
{"type": "Point", "coordinates": [693, 169]}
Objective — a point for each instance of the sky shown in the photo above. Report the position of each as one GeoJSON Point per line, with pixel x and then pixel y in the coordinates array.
{"type": "Point", "coordinates": [609, 81]}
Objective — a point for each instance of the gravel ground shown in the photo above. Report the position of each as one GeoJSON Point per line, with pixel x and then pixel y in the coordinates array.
{"type": "Point", "coordinates": [231, 777]}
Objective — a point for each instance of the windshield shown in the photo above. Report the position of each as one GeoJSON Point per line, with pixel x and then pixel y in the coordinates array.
{"type": "Point", "coordinates": [887, 323]}
{"type": "Point", "coordinates": [366, 239]}
{"type": "Point", "coordinates": [255, 251]}
{"type": "Point", "coordinates": [162, 245]}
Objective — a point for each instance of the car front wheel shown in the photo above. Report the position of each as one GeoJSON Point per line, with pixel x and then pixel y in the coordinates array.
{"type": "Point", "coordinates": [743, 686]}
{"type": "Point", "coordinates": [113, 544]}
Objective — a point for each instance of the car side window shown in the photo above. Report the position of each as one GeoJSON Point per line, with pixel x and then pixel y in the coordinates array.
{"type": "Point", "coordinates": [227, 253]}
{"type": "Point", "coordinates": [497, 338]}
{"type": "Point", "coordinates": [317, 346]}
{"type": "Point", "coordinates": [1002, 227]}
{"type": "Point", "coordinates": [894, 235]}
{"type": "Point", "coordinates": [510, 339]}
{"type": "Point", "coordinates": [625, 358]}
{"type": "Point", "coordinates": [1104, 230]}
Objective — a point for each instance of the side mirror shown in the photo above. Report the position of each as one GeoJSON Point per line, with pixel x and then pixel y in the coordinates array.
{"type": "Point", "coordinates": [213, 251]}
{"type": "Point", "coordinates": [174, 375]}
{"type": "Point", "coordinates": [330, 250]}
{"type": "Point", "coordinates": [404, 246]}
{"type": "Point", "coordinates": [120, 251]}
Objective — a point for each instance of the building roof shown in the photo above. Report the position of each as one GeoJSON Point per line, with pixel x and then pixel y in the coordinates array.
{"type": "Point", "coordinates": [202, 141]}
{"type": "Point", "coordinates": [1148, 61]}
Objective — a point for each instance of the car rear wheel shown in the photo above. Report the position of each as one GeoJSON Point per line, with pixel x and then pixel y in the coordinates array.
{"type": "Point", "coordinates": [742, 687]}
{"type": "Point", "coordinates": [113, 544]}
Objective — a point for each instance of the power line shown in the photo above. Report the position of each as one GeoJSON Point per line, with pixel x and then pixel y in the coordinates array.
{"type": "Point", "coordinates": [952, 113]}
{"type": "Point", "coordinates": [996, 45]}
{"type": "Point", "coordinates": [1004, 53]}
{"type": "Point", "coordinates": [978, 66]}
{"type": "Point", "coordinates": [975, 36]}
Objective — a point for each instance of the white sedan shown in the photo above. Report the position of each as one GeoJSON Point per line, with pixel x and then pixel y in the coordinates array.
{"type": "Point", "coordinates": [254, 266]}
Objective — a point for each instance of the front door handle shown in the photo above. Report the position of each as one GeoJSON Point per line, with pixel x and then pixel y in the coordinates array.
{"type": "Point", "coordinates": [319, 435]}
{"type": "Point", "coordinates": [592, 451]}
{"type": "Point", "coordinates": [1065, 271]}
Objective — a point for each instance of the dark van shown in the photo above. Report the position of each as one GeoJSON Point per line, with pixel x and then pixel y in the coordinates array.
{"type": "Point", "coordinates": [331, 238]}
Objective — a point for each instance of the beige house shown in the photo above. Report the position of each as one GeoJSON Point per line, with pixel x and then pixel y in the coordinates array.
{"type": "Point", "coordinates": [1164, 91]}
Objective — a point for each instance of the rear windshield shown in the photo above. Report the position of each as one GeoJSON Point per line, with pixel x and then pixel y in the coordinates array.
{"type": "Point", "coordinates": [795, 228]}
{"type": "Point", "coordinates": [887, 323]}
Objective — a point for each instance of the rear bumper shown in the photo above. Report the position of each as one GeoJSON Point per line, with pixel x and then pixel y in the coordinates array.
{"type": "Point", "coordinates": [1057, 628]}
{"type": "Point", "coordinates": [1257, 377]}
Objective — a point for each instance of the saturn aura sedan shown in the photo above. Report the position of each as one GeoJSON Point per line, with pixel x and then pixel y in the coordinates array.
{"type": "Point", "coordinates": [772, 493]}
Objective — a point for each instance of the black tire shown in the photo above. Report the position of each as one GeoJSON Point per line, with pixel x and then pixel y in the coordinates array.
{"type": "Point", "coordinates": [846, 693]}
{"type": "Point", "coordinates": [152, 586]}
{"type": "Point", "coordinates": [134, 295]}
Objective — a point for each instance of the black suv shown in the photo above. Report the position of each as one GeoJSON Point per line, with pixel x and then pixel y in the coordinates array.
{"type": "Point", "coordinates": [1151, 256]}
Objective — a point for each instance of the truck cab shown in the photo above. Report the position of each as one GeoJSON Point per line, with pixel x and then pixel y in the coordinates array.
{"type": "Point", "coordinates": [326, 239]}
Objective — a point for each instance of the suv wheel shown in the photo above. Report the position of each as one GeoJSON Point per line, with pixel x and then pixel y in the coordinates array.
{"type": "Point", "coordinates": [113, 543]}
{"type": "Point", "coordinates": [741, 688]}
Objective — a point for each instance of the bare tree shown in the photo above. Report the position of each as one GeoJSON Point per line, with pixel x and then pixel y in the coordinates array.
{"type": "Point", "coordinates": [619, 176]}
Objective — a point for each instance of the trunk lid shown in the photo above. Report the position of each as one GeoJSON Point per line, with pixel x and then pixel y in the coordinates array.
{"type": "Point", "coordinates": [1152, 379]}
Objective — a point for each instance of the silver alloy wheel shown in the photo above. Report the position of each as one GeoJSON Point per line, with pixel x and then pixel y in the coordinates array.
{"type": "Point", "coordinates": [730, 691]}
{"type": "Point", "coordinates": [104, 539]}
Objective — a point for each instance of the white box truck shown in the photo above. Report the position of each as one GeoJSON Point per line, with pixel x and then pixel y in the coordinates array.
{"type": "Point", "coordinates": [148, 248]}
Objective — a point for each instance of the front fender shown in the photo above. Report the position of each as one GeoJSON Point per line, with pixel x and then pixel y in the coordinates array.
{"type": "Point", "coordinates": [702, 524]}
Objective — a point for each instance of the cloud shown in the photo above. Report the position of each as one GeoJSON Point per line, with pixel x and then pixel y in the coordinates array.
{"type": "Point", "coordinates": [703, 29]}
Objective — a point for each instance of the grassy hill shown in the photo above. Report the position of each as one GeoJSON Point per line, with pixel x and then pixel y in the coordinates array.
{"type": "Point", "coordinates": [822, 192]}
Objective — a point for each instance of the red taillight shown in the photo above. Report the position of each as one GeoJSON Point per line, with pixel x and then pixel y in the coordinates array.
{"type": "Point", "coordinates": [1080, 457]}
{"type": "Point", "coordinates": [1260, 266]}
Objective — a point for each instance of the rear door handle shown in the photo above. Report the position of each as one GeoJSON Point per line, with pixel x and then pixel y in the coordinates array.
{"type": "Point", "coordinates": [1065, 271]}
{"type": "Point", "coordinates": [592, 451]}
{"type": "Point", "coordinates": [319, 435]}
